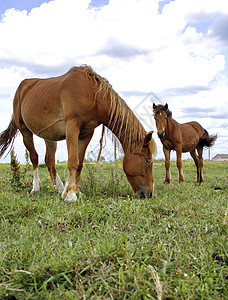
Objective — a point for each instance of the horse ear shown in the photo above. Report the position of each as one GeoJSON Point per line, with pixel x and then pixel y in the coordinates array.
{"type": "Point", "coordinates": [154, 106]}
{"type": "Point", "coordinates": [166, 106]}
{"type": "Point", "coordinates": [148, 138]}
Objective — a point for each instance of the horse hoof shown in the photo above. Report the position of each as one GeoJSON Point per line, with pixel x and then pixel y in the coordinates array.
{"type": "Point", "coordinates": [35, 189]}
{"type": "Point", "coordinates": [71, 198]}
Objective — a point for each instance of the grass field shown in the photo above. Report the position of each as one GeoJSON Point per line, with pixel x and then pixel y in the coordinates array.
{"type": "Point", "coordinates": [110, 245]}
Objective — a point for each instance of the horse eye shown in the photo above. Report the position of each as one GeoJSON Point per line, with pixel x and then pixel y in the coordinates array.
{"type": "Point", "coordinates": [148, 161]}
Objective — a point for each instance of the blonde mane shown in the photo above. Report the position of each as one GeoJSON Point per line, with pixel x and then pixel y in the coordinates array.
{"type": "Point", "coordinates": [122, 121]}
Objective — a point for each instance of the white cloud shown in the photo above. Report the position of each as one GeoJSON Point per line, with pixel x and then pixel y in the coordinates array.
{"type": "Point", "coordinates": [136, 46]}
{"type": "Point", "coordinates": [11, 75]}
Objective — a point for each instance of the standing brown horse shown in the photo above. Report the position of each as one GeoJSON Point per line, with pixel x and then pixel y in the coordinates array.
{"type": "Point", "coordinates": [70, 107]}
{"type": "Point", "coordinates": [185, 137]}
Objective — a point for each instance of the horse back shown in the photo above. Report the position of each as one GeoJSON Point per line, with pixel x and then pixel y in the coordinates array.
{"type": "Point", "coordinates": [191, 134]}
{"type": "Point", "coordinates": [195, 127]}
{"type": "Point", "coordinates": [45, 104]}
{"type": "Point", "coordinates": [67, 91]}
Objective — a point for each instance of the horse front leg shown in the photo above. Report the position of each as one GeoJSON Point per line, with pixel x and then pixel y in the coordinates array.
{"type": "Point", "coordinates": [50, 162]}
{"type": "Point", "coordinates": [72, 133]}
{"type": "Point", "coordinates": [82, 146]}
{"type": "Point", "coordinates": [167, 164]}
{"type": "Point", "coordinates": [179, 164]}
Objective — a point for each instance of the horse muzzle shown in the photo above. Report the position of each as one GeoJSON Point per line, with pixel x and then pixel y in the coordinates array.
{"type": "Point", "coordinates": [161, 134]}
{"type": "Point", "coordinates": [142, 194]}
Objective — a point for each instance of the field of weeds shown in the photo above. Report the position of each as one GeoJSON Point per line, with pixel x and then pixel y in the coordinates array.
{"type": "Point", "coordinates": [110, 245]}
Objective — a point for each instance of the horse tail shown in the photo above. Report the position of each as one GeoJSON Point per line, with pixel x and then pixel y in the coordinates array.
{"type": "Point", "coordinates": [7, 137]}
{"type": "Point", "coordinates": [207, 140]}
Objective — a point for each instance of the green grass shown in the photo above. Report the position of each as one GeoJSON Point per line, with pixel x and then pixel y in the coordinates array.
{"type": "Point", "coordinates": [110, 245]}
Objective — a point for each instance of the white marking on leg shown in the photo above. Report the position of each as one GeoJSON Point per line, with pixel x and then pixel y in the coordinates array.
{"type": "Point", "coordinates": [36, 181]}
{"type": "Point", "coordinates": [59, 184]}
{"type": "Point", "coordinates": [70, 197]}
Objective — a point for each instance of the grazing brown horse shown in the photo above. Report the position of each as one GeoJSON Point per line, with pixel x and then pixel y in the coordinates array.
{"type": "Point", "coordinates": [70, 107]}
{"type": "Point", "coordinates": [185, 137]}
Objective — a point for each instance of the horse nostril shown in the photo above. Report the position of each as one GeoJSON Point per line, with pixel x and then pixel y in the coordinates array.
{"type": "Point", "coordinates": [141, 195]}
{"type": "Point", "coordinates": [161, 135]}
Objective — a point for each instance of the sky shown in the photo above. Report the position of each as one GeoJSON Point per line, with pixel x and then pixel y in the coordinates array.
{"type": "Point", "coordinates": [173, 52]}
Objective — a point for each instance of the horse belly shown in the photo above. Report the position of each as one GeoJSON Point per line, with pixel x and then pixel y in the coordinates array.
{"type": "Point", "coordinates": [190, 144]}
{"type": "Point", "coordinates": [54, 132]}
{"type": "Point", "coordinates": [44, 120]}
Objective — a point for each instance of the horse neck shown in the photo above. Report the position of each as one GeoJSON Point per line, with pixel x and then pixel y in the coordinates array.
{"type": "Point", "coordinates": [119, 118]}
{"type": "Point", "coordinates": [170, 125]}
{"type": "Point", "coordinates": [115, 114]}
{"type": "Point", "coordinates": [129, 140]}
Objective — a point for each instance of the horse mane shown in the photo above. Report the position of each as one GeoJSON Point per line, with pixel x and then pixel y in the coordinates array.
{"type": "Point", "coordinates": [160, 108]}
{"type": "Point", "coordinates": [122, 121]}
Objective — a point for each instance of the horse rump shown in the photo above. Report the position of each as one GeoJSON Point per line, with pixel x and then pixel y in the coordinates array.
{"type": "Point", "coordinates": [7, 137]}
{"type": "Point", "coordinates": [207, 140]}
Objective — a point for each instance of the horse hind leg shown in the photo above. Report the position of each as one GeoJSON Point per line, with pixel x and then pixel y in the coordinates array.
{"type": "Point", "coordinates": [50, 162]}
{"type": "Point", "coordinates": [167, 165]}
{"type": "Point", "coordinates": [29, 144]}
{"type": "Point", "coordinates": [196, 161]}
{"type": "Point", "coordinates": [200, 153]}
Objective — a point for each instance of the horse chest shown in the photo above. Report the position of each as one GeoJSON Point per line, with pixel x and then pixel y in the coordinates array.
{"type": "Point", "coordinates": [87, 128]}
{"type": "Point", "coordinates": [167, 144]}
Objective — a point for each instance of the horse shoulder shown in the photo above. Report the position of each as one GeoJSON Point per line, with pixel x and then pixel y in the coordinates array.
{"type": "Point", "coordinates": [76, 87]}
{"type": "Point", "coordinates": [174, 132]}
{"type": "Point", "coordinates": [167, 143]}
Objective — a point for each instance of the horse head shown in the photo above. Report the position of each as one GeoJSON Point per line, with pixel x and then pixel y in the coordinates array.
{"type": "Point", "coordinates": [138, 167]}
{"type": "Point", "coordinates": [161, 114]}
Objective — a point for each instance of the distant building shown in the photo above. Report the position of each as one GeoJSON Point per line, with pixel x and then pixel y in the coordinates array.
{"type": "Point", "coordinates": [220, 157]}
